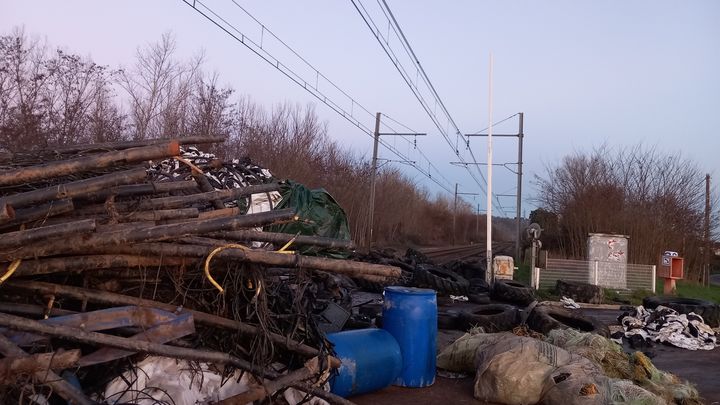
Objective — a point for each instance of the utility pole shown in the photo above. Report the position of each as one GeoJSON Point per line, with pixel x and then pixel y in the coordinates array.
{"type": "Point", "coordinates": [519, 187]}
{"type": "Point", "coordinates": [706, 258]}
{"type": "Point", "coordinates": [455, 211]}
{"type": "Point", "coordinates": [518, 209]}
{"type": "Point", "coordinates": [489, 276]}
{"type": "Point", "coordinates": [373, 174]}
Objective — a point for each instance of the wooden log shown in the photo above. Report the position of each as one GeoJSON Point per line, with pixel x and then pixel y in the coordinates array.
{"type": "Point", "coordinates": [7, 213]}
{"type": "Point", "coordinates": [186, 140]}
{"type": "Point", "coordinates": [283, 238]}
{"type": "Point", "coordinates": [19, 238]}
{"type": "Point", "coordinates": [48, 377]}
{"type": "Point", "coordinates": [347, 267]}
{"type": "Point", "coordinates": [161, 215]}
{"type": "Point", "coordinates": [205, 186]}
{"type": "Point", "coordinates": [153, 233]}
{"type": "Point", "coordinates": [51, 209]}
{"type": "Point", "coordinates": [31, 310]}
{"type": "Point", "coordinates": [153, 187]}
{"type": "Point", "coordinates": [92, 263]}
{"type": "Point", "coordinates": [310, 369]}
{"type": "Point", "coordinates": [100, 339]}
{"type": "Point", "coordinates": [181, 201]}
{"type": "Point", "coordinates": [108, 298]}
{"type": "Point", "coordinates": [225, 212]}
{"type": "Point", "coordinates": [13, 366]}
{"type": "Point", "coordinates": [75, 188]}
{"type": "Point", "coordinates": [87, 163]}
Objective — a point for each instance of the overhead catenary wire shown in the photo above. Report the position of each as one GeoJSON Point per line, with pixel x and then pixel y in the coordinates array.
{"type": "Point", "coordinates": [257, 48]}
{"type": "Point", "coordinates": [420, 72]}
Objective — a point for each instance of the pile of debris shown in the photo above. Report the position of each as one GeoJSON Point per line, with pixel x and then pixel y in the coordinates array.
{"type": "Point", "coordinates": [665, 325]}
{"type": "Point", "coordinates": [154, 247]}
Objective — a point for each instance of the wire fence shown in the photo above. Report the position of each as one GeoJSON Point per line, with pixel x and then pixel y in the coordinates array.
{"type": "Point", "coordinates": [618, 276]}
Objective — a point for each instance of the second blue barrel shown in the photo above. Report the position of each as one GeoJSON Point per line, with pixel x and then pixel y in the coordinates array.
{"type": "Point", "coordinates": [410, 315]}
{"type": "Point", "coordinates": [370, 361]}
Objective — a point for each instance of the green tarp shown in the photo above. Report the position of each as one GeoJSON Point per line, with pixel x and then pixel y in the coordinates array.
{"type": "Point", "coordinates": [320, 215]}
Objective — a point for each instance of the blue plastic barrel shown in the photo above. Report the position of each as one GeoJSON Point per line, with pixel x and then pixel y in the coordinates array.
{"type": "Point", "coordinates": [370, 361]}
{"type": "Point", "coordinates": [410, 315]}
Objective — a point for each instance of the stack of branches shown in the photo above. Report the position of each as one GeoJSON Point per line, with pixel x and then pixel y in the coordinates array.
{"type": "Point", "coordinates": [155, 224]}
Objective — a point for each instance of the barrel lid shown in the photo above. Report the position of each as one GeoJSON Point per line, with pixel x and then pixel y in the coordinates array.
{"type": "Point", "coordinates": [409, 290]}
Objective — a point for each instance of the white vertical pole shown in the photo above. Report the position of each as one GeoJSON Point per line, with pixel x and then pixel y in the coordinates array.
{"type": "Point", "coordinates": [488, 211]}
{"type": "Point", "coordinates": [653, 281]}
{"type": "Point", "coordinates": [595, 276]}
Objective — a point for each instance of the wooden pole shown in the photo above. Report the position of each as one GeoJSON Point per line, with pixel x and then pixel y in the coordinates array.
{"type": "Point", "coordinates": [7, 213]}
{"type": "Point", "coordinates": [347, 267]}
{"type": "Point", "coordinates": [282, 238]}
{"type": "Point", "coordinates": [130, 234]}
{"type": "Point", "coordinates": [75, 188]}
{"type": "Point", "coordinates": [93, 263]}
{"type": "Point", "coordinates": [53, 208]}
{"type": "Point", "coordinates": [48, 377]}
{"type": "Point", "coordinates": [19, 238]}
{"type": "Point", "coordinates": [12, 366]}
{"type": "Point", "coordinates": [87, 163]}
{"type": "Point", "coordinates": [109, 298]}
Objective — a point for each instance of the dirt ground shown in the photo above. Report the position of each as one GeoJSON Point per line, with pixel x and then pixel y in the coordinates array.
{"type": "Point", "coordinates": [700, 367]}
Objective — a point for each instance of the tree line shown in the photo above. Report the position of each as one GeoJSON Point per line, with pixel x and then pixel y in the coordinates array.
{"type": "Point", "coordinates": [656, 198]}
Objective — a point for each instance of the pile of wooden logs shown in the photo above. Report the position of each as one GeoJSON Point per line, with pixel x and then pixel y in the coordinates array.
{"type": "Point", "coordinates": [89, 234]}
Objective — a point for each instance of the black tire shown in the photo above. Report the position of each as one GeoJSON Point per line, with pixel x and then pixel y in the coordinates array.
{"type": "Point", "coordinates": [492, 318]}
{"type": "Point", "coordinates": [441, 280]}
{"type": "Point", "coordinates": [543, 319]}
{"type": "Point", "coordinates": [479, 285]}
{"type": "Point", "coordinates": [513, 291]}
{"type": "Point", "coordinates": [709, 311]}
{"type": "Point", "coordinates": [480, 298]}
{"type": "Point", "coordinates": [449, 320]}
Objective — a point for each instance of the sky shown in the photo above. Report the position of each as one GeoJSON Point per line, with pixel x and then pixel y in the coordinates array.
{"type": "Point", "coordinates": [584, 73]}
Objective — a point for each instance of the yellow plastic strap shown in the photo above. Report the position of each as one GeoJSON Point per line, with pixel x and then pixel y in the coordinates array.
{"type": "Point", "coordinates": [11, 269]}
{"type": "Point", "coordinates": [209, 258]}
{"type": "Point", "coordinates": [287, 245]}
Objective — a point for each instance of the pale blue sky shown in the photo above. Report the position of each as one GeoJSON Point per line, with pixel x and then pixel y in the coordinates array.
{"type": "Point", "coordinates": [584, 72]}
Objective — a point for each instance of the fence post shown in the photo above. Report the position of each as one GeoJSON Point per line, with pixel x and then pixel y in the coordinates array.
{"type": "Point", "coordinates": [595, 275]}
{"type": "Point", "coordinates": [654, 280]}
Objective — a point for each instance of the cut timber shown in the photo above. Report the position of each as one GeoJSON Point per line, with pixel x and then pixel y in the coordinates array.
{"type": "Point", "coordinates": [282, 238]}
{"type": "Point", "coordinates": [186, 140]}
{"type": "Point", "coordinates": [75, 188]}
{"type": "Point", "coordinates": [310, 369]}
{"type": "Point", "coordinates": [100, 339]}
{"type": "Point", "coordinates": [19, 238]}
{"type": "Point", "coordinates": [161, 215]}
{"type": "Point", "coordinates": [181, 201]}
{"type": "Point", "coordinates": [347, 267]}
{"type": "Point", "coordinates": [7, 213]}
{"type": "Point", "coordinates": [130, 234]}
{"type": "Point", "coordinates": [153, 187]}
{"type": "Point", "coordinates": [108, 298]}
{"type": "Point", "coordinates": [54, 381]}
{"type": "Point", "coordinates": [13, 366]}
{"type": "Point", "coordinates": [87, 163]}
{"type": "Point", "coordinates": [93, 263]}
{"type": "Point", "coordinates": [40, 212]}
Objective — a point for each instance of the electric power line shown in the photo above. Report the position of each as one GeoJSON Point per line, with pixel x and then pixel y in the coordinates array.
{"type": "Point", "coordinates": [260, 51]}
{"type": "Point", "coordinates": [420, 71]}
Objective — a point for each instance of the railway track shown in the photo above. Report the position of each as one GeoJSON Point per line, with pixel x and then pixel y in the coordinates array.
{"type": "Point", "coordinates": [442, 255]}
